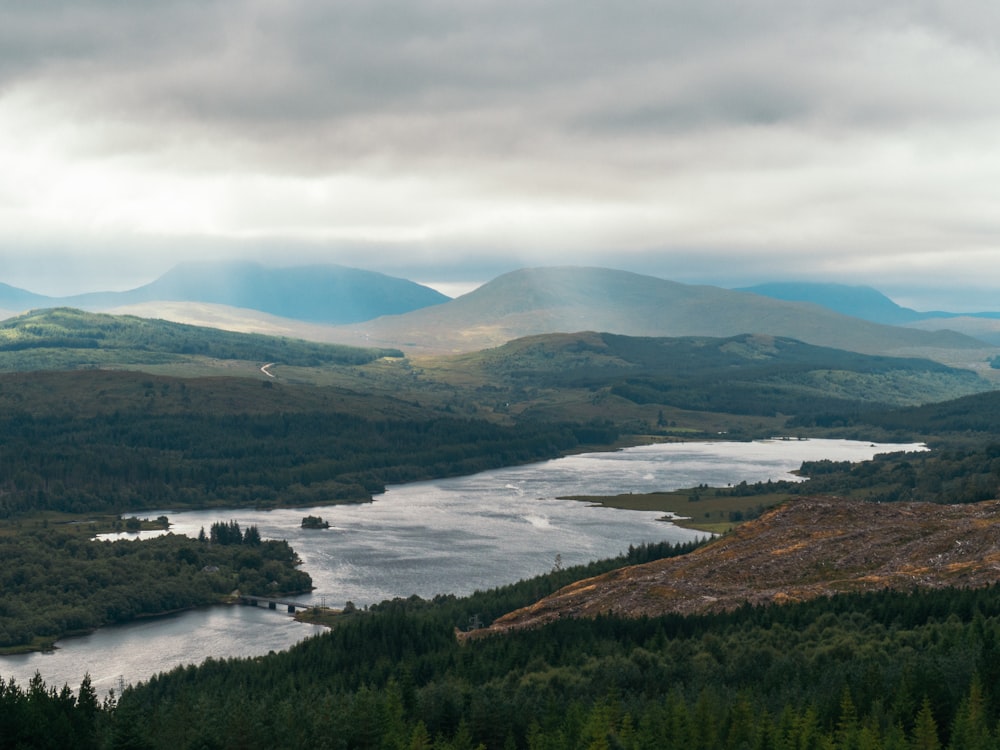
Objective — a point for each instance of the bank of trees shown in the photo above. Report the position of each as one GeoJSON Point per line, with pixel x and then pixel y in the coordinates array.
{"type": "Point", "coordinates": [110, 462]}
{"type": "Point", "coordinates": [888, 670]}
{"type": "Point", "coordinates": [856, 671]}
{"type": "Point", "coordinates": [54, 582]}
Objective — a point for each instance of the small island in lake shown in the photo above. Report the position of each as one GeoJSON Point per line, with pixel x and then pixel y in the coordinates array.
{"type": "Point", "coordinates": [315, 522]}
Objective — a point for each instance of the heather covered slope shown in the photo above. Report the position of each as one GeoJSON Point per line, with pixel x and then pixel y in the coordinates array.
{"type": "Point", "coordinates": [807, 548]}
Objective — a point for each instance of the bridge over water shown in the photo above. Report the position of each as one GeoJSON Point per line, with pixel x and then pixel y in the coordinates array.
{"type": "Point", "coordinates": [260, 601]}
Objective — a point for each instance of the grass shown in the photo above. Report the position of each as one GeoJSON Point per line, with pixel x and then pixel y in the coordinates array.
{"type": "Point", "coordinates": [698, 508]}
{"type": "Point", "coordinates": [325, 616]}
{"type": "Point", "coordinates": [81, 524]}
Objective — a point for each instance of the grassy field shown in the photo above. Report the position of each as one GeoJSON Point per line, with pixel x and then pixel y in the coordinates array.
{"type": "Point", "coordinates": [698, 508]}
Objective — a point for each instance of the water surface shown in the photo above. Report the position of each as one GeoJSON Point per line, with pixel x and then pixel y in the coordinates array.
{"type": "Point", "coordinates": [452, 535]}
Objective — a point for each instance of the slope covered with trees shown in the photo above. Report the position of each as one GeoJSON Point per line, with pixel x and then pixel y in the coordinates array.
{"type": "Point", "coordinates": [152, 449]}
{"type": "Point", "coordinates": [897, 670]}
{"type": "Point", "coordinates": [746, 374]}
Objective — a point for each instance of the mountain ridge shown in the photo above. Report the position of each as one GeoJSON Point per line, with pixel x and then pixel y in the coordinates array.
{"type": "Point", "coordinates": [568, 298]}
{"type": "Point", "coordinates": [327, 293]}
{"type": "Point", "coordinates": [521, 303]}
{"type": "Point", "coordinates": [870, 304]}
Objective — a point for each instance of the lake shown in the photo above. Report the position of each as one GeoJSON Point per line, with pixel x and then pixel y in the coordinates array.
{"type": "Point", "coordinates": [452, 535]}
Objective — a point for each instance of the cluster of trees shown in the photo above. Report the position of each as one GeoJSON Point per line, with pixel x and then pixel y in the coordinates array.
{"type": "Point", "coordinates": [887, 670]}
{"type": "Point", "coordinates": [230, 533]}
{"type": "Point", "coordinates": [964, 473]}
{"type": "Point", "coordinates": [944, 475]}
{"type": "Point", "coordinates": [973, 417]}
{"type": "Point", "coordinates": [314, 522]}
{"type": "Point", "coordinates": [38, 716]}
{"type": "Point", "coordinates": [55, 582]}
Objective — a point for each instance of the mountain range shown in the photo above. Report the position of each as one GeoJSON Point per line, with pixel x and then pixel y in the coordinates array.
{"type": "Point", "coordinates": [544, 300]}
{"type": "Point", "coordinates": [870, 304]}
{"type": "Point", "coordinates": [344, 305]}
{"type": "Point", "coordinates": [329, 294]}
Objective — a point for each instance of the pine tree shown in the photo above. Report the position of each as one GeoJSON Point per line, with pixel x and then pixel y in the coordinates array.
{"type": "Point", "coordinates": [925, 729]}
{"type": "Point", "coordinates": [970, 730]}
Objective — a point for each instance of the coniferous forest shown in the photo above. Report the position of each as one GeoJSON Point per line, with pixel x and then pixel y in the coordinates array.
{"type": "Point", "coordinates": [887, 670]}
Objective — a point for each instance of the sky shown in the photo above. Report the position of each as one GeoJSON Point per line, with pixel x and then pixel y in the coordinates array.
{"type": "Point", "coordinates": [448, 141]}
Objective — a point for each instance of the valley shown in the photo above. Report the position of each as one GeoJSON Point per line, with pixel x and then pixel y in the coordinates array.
{"type": "Point", "coordinates": [104, 414]}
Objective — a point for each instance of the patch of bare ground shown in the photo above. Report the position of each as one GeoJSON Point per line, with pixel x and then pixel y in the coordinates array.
{"type": "Point", "coordinates": [806, 548]}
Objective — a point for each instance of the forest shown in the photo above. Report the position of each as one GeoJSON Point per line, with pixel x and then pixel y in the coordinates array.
{"type": "Point", "coordinates": [886, 670]}
{"type": "Point", "coordinates": [113, 462]}
{"type": "Point", "coordinates": [56, 581]}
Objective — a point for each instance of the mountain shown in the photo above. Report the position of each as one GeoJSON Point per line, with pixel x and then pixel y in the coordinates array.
{"type": "Point", "coordinates": [12, 298]}
{"type": "Point", "coordinates": [982, 326]}
{"type": "Point", "coordinates": [870, 304]}
{"type": "Point", "coordinates": [801, 550]}
{"type": "Point", "coordinates": [857, 301]}
{"type": "Point", "coordinates": [566, 299]}
{"type": "Point", "coordinates": [318, 294]}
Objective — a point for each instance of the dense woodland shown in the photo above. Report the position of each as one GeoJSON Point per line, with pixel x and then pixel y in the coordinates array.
{"type": "Point", "coordinates": [55, 581]}
{"type": "Point", "coordinates": [113, 462]}
{"type": "Point", "coordinates": [887, 670]}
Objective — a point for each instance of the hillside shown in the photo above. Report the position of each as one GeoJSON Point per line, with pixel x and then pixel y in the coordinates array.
{"type": "Point", "coordinates": [575, 377]}
{"type": "Point", "coordinates": [547, 300]}
{"type": "Point", "coordinates": [746, 374]}
{"type": "Point", "coordinates": [984, 327]}
{"type": "Point", "coordinates": [64, 338]}
{"type": "Point", "coordinates": [857, 301]}
{"type": "Point", "coordinates": [802, 550]}
{"type": "Point", "coordinates": [328, 294]}
{"type": "Point", "coordinates": [870, 304]}
{"type": "Point", "coordinates": [12, 298]}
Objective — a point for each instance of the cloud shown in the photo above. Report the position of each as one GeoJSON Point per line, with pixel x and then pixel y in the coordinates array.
{"type": "Point", "coordinates": [826, 138]}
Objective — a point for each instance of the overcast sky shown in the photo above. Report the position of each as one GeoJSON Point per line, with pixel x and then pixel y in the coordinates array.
{"type": "Point", "coordinates": [713, 142]}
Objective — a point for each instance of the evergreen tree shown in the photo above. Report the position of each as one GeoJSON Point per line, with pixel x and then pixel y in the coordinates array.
{"type": "Point", "coordinates": [925, 729]}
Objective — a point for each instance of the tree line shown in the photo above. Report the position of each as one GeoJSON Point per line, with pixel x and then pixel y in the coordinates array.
{"type": "Point", "coordinates": [916, 669]}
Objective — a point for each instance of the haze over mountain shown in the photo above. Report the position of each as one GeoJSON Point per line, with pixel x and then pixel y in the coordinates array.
{"type": "Point", "coordinates": [870, 304]}
{"type": "Point", "coordinates": [366, 307]}
{"type": "Point", "coordinates": [329, 294]}
{"type": "Point", "coordinates": [544, 300]}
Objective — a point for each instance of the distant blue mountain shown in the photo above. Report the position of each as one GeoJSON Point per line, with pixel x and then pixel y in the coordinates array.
{"type": "Point", "coordinates": [12, 298]}
{"type": "Point", "coordinates": [857, 301]}
{"type": "Point", "coordinates": [317, 294]}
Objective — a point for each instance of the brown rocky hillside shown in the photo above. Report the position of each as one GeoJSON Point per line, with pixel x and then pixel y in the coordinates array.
{"type": "Point", "coordinates": [806, 548]}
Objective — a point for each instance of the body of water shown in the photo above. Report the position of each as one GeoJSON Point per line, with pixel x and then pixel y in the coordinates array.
{"type": "Point", "coordinates": [445, 536]}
